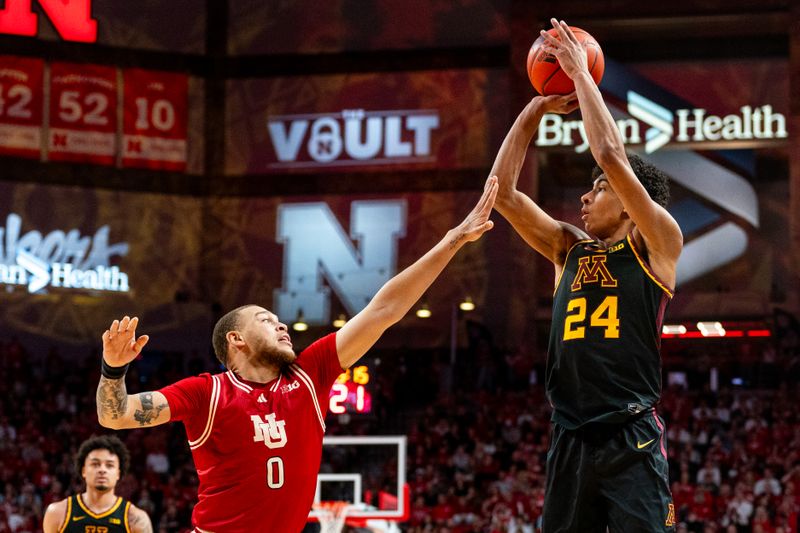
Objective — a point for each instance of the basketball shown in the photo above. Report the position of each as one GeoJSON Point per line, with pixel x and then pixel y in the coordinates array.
{"type": "Point", "coordinates": [545, 73]}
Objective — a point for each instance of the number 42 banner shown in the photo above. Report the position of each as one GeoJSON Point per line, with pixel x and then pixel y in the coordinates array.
{"type": "Point", "coordinates": [21, 80]}
{"type": "Point", "coordinates": [155, 120]}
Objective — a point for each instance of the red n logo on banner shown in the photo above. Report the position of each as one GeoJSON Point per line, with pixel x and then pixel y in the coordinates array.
{"type": "Point", "coordinates": [72, 19]}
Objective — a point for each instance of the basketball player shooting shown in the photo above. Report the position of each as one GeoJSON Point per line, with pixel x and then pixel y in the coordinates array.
{"type": "Point", "coordinates": [256, 430]}
{"type": "Point", "coordinates": [607, 464]}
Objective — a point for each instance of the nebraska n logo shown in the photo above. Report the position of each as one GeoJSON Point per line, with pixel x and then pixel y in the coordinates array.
{"type": "Point", "coordinates": [71, 19]}
{"type": "Point", "coordinates": [592, 269]}
{"type": "Point", "coordinates": [269, 431]}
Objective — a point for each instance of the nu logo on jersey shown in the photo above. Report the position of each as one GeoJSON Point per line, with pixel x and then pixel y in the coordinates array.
{"type": "Point", "coordinates": [352, 137]}
{"type": "Point", "coordinates": [592, 269]}
{"type": "Point", "coordinates": [269, 431]}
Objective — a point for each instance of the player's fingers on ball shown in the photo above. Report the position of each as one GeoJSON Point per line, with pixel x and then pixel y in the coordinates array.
{"type": "Point", "coordinates": [133, 323]}
{"type": "Point", "coordinates": [105, 335]}
{"type": "Point", "coordinates": [123, 324]}
{"type": "Point", "coordinates": [114, 327]}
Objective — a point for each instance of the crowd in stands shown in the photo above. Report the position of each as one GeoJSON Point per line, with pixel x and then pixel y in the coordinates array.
{"type": "Point", "coordinates": [476, 457]}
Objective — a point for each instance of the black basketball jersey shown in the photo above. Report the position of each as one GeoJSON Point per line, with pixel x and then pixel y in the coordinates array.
{"type": "Point", "coordinates": [603, 360]}
{"type": "Point", "coordinates": [81, 520]}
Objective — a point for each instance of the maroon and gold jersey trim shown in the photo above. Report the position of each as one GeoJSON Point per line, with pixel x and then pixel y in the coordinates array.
{"type": "Point", "coordinates": [127, 511]}
{"type": "Point", "coordinates": [67, 517]}
{"type": "Point", "coordinates": [101, 515]}
{"type": "Point", "coordinates": [648, 270]}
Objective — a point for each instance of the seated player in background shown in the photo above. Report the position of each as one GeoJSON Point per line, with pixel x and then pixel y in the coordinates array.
{"type": "Point", "coordinates": [101, 462]}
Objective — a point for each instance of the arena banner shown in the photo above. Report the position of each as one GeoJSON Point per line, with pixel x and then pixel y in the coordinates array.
{"type": "Point", "coordinates": [154, 120]}
{"type": "Point", "coordinates": [21, 90]}
{"type": "Point", "coordinates": [306, 26]}
{"type": "Point", "coordinates": [71, 259]}
{"type": "Point", "coordinates": [328, 255]}
{"type": "Point", "coordinates": [363, 122]}
{"type": "Point", "coordinates": [174, 26]}
{"type": "Point", "coordinates": [83, 113]}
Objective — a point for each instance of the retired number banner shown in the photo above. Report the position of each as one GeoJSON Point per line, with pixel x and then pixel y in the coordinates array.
{"type": "Point", "coordinates": [83, 113]}
{"type": "Point", "coordinates": [155, 123]}
{"type": "Point", "coordinates": [21, 89]}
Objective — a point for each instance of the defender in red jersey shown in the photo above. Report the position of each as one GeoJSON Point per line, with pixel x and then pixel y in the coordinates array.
{"type": "Point", "coordinates": [256, 430]}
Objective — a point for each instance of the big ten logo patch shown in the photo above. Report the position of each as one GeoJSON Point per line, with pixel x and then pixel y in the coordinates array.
{"type": "Point", "coordinates": [269, 431]}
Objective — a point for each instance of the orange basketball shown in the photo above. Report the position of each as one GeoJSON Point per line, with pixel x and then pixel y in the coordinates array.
{"type": "Point", "coordinates": [545, 73]}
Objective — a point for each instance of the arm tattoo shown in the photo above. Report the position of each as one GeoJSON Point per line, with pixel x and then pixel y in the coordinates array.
{"type": "Point", "coordinates": [455, 240]}
{"type": "Point", "coordinates": [148, 412]}
{"type": "Point", "coordinates": [139, 522]}
{"type": "Point", "coordinates": [112, 398]}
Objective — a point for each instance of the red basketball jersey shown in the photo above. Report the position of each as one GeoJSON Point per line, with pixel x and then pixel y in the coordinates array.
{"type": "Point", "coordinates": [257, 446]}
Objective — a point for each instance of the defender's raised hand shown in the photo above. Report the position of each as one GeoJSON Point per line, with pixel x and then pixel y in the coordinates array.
{"type": "Point", "coordinates": [477, 222]}
{"type": "Point", "coordinates": [570, 52]}
{"type": "Point", "coordinates": [120, 345]}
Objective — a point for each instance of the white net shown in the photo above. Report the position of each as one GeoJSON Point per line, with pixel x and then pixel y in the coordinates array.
{"type": "Point", "coordinates": [332, 516]}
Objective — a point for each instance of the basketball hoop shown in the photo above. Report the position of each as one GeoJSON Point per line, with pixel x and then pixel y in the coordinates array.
{"type": "Point", "coordinates": [332, 515]}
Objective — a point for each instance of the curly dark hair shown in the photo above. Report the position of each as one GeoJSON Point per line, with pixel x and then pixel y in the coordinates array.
{"type": "Point", "coordinates": [655, 182]}
{"type": "Point", "coordinates": [103, 442]}
{"type": "Point", "coordinates": [228, 322]}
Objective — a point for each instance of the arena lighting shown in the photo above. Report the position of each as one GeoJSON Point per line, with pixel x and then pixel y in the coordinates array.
{"type": "Point", "coordinates": [673, 329]}
{"type": "Point", "coordinates": [467, 305]}
{"type": "Point", "coordinates": [711, 329]}
{"type": "Point", "coordinates": [340, 321]}
{"type": "Point", "coordinates": [300, 323]}
{"type": "Point", "coordinates": [423, 311]}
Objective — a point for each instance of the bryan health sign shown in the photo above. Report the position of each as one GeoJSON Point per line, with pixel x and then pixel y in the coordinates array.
{"type": "Point", "coordinates": [60, 259]}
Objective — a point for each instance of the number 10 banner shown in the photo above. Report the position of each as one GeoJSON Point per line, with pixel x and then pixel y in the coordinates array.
{"type": "Point", "coordinates": [155, 119]}
{"type": "Point", "coordinates": [83, 118]}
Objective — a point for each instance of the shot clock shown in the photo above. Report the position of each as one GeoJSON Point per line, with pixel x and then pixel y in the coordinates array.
{"type": "Point", "coordinates": [350, 393]}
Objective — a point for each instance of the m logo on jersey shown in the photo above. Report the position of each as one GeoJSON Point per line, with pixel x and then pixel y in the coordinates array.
{"type": "Point", "coordinates": [269, 431]}
{"type": "Point", "coordinates": [592, 269]}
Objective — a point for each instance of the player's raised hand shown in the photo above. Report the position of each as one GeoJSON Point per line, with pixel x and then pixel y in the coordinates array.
{"type": "Point", "coordinates": [560, 104]}
{"type": "Point", "coordinates": [120, 345]}
{"type": "Point", "coordinates": [570, 52]}
{"type": "Point", "coordinates": [477, 222]}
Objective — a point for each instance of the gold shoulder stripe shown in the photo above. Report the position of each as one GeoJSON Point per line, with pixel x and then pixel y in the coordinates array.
{"type": "Point", "coordinates": [66, 518]}
{"type": "Point", "coordinates": [566, 258]}
{"type": "Point", "coordinates": [647, 269]}
{"type": "Point", "coordinates": [127, 510]}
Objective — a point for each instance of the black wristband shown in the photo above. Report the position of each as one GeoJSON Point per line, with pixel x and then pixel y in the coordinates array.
{"type": "Point", "coordinates": [113, 372]}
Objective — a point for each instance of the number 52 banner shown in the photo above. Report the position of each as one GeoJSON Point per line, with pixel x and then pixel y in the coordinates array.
{"type": "Point", "coordinates": [83, 117]}
{"type": "Point", "coordinates": [155, 120]}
